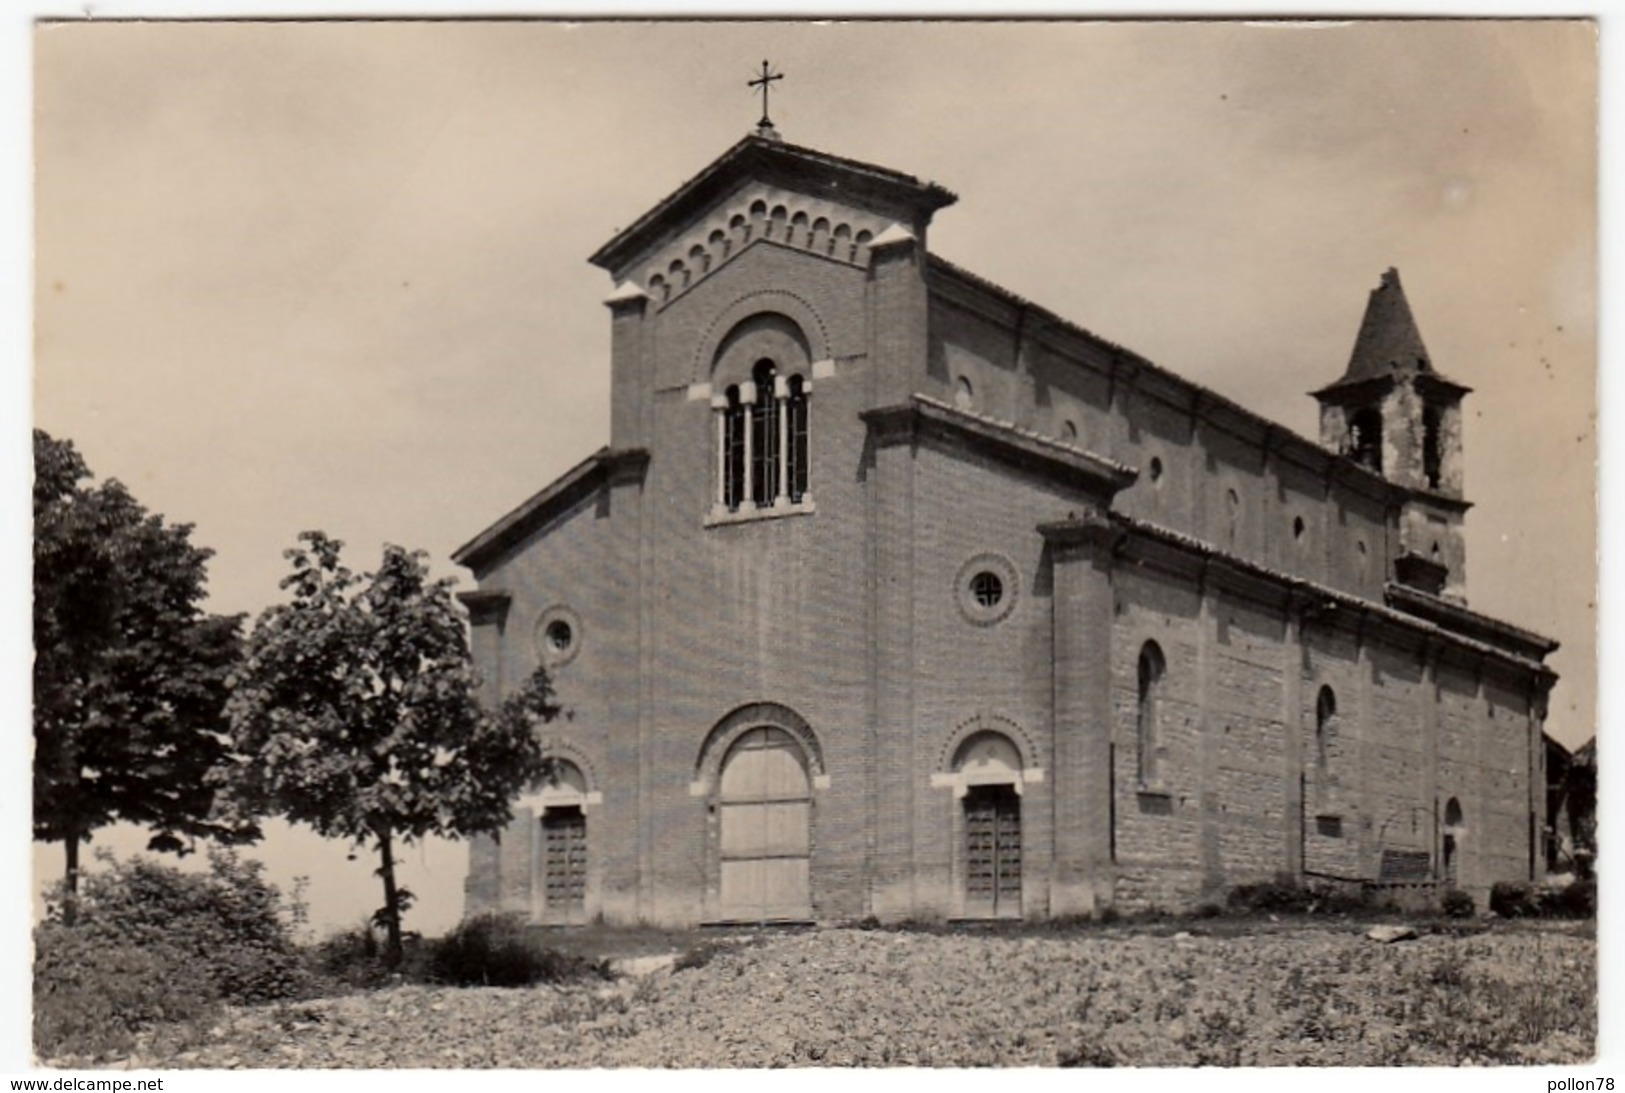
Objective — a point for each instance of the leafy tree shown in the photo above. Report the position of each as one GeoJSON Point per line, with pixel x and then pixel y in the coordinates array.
{"type": "Point", "coordinates": [354, 712]}
{"type": "Point", "coordinates": [129, 673]}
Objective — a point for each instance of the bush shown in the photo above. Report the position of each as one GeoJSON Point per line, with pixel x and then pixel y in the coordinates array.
{"type": "Point", "coordinates": [1456, 904]}
{"type": "Point", "coordinates": [495, 951]}
{"type": "Point", "coordinates": [1578, 899]}
{"type": "Point", "coordinates": [1514, 900]}
{"type": "Point", "coordinates": [1510, 899]}
{"type": "Point", "coordinates": [352, 958]}
{"type": "Point", "coordinates": [1269, 896]}
{"type": "Point", "coordinates": [226, 927]}
{"type": "Point", "coordinates": [91, 996]}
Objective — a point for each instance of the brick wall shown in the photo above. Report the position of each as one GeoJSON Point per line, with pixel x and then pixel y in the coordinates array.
{"type": "Point", "coordinates": [850, 617]}
{"type": "Point", "coordinates": [1040, 387]}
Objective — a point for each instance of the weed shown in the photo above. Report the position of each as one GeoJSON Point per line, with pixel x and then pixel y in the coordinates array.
{"type": "Point", "coordinates": [496, 951]}
{"type": "Point", "coordinates": [698, 956]}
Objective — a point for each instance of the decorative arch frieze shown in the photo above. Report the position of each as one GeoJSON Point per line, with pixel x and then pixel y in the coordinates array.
{"type": "Point", "coordinates": [708, 763]}
{"type": "Point", "coordinates": [791, 221]}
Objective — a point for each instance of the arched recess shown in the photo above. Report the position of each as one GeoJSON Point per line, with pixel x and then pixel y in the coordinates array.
{"type": "Point", "coordinates": [767, 335]}
{"type": "Point", "coordinates": [787, 306]}
{"type": "Point", "coordinates": [983, 722]}
{"type": "Point", "coordinates": [758, 770]}
{"type": "Point", "coordinates": [557, 748]}
{"type": "Point", "coordinates": [708, 764]}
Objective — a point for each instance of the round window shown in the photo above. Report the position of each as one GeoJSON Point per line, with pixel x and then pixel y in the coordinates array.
{"type": "Point", "coordinates": [985, 588]}
{"type": "Point", "coordinates": [558, 636]}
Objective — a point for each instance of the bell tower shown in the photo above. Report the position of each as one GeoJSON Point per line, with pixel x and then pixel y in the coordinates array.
{"type": "Point", "coordinates": [1393, 413]}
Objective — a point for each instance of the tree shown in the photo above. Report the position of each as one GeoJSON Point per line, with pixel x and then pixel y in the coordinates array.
{"type": "Point", "coordinates": [129, 673]}
{"type": "Point", "coordinates": [354, 712]}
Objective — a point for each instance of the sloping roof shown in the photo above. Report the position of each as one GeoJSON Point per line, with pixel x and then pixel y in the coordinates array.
{"type": "Point", "coordinates": [756, 155]}
{"type": "Point", "coordinates": [1329, 594]}
{"type": "Point", "coordinates": [1285, 436]}
{"type": "Point", "coordinates": [1389, 343]}
{"type": "Point", "coordinates": [579, 481]}
{"type": "Point", "coordinates": [1022, 447]}
{"type": "Point", "coordinates": [1467, 621]}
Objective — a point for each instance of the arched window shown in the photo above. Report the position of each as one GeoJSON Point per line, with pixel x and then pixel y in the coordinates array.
{"type": "Point", "coordinates": [763, 445]}
{"type": "Point", "coordinates": [796, 455]}
{"type": "Point", "coordinates": [765, 439]}
{"type": "Point", "coordinates": [733, 450]}
{"type": "Point", "coordinates": [763, 462]}
{"type": "Point", "coordinates": [1325, 717]}
{"type": "Point", "coordinates": [1450, 843]}
{"type": "Point", "coordinates": [1365, 438]}
{"type": "Point", "coordinates": [964, 396]}
{"type": "Point", "coordinates": [1151, 671]}
{"type": "Point", "coordinates": [1432, 457]}
{"type": "Point", "coordinates": [1232, 525]}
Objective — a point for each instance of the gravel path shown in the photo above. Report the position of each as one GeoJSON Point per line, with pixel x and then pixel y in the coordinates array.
{"type": "Point", "coordinates": [1307, 996]}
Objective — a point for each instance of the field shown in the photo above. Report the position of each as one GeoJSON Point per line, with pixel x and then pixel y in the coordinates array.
{"type": "Point", "coordinates": [1195, 993]}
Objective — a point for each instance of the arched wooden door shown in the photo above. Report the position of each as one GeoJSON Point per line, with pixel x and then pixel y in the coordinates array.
{"type": "Point", "coordinates": [765, 819]}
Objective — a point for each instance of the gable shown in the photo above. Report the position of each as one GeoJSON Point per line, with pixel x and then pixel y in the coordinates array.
{"type": "Point", "coordinates": [816, 176]}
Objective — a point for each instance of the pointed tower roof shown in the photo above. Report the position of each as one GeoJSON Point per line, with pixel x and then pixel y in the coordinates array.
{"type": "Point", "coordinates": [1389, 344]}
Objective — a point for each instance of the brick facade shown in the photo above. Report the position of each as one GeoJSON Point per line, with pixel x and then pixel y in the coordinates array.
{"type": "Point", "coordinates": [1005, 517]}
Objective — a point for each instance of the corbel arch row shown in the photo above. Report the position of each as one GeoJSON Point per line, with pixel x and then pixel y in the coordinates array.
{"type": "Point", "coordinates": [768, 300]}
{"type": "Point", "coordinates": [756, 715]}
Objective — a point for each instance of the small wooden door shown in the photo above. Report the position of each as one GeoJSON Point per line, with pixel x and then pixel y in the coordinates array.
{"type": "Point", "coordinates": [992, 852]}
{"type": "Point", "coordinates": [564, 864]}
{"type": "Point", "coordinates": [765, 818]}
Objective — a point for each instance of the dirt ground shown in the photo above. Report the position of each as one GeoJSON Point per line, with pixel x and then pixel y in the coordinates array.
{"type": "Point", "coordinates": [1225, 994]}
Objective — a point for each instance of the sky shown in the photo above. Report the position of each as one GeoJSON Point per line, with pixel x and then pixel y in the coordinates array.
{"type": "Point", "coordinates": [333, 275]}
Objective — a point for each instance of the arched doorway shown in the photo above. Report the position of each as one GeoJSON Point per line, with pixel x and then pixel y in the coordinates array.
{"type": "Point", "coordinates": [988, 768]}
{"type": "Point", "coordinates": [764, 809]}
{"type": "Point", "coordinates": [559, 865]}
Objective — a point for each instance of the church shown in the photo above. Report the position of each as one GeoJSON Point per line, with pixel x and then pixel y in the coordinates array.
{"type": "Point", "coordinates": [894, 594]}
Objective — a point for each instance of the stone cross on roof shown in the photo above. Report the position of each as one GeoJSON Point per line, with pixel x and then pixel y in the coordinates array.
{"type": "Point", "coordinates": [765, 82]}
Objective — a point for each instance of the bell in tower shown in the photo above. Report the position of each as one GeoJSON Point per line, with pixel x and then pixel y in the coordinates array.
{"type": "Point", "coordinates": [1394, 414]}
